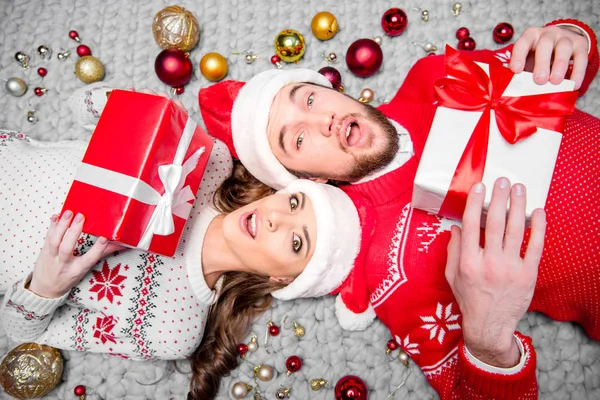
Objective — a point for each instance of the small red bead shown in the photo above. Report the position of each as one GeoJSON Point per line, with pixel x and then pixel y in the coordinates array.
{"type": "Point", "coordinates": [293, 363]}
{"type": "Point", "coordinates": [79, 390]}
{"type": "Point", "coordinates": [392, 344]}
{"type": "Point", "coordinates": [74, 35]}
{"type": "Point", "coordinates": [83, 50]}
{"type": "Point", "coordinates": [467, 43]}
{"type": "Point", "coordinates": [273, 330]}
{"type": "Point", "coordinates": [275, 59]}
{"type": "Point", "coordinates": [39, 91]}
{"type": "Point", "coordinates": [179, 90]}
{"type": "Point", "coordinates": [242, 349]}
{"type": "Point", "coordinates": [462, 33]}
{"type": "Point", "coordinates": [503, 32]}
{"type": "Point", "coordinates": [42, 72]}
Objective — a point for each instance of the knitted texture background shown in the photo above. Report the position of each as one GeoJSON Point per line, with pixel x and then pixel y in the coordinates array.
{"type": "Point", "coordinates": [119, 34]}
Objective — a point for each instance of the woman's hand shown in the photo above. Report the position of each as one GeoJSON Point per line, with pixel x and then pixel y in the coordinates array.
{"type": "Point", "coordinates": [57, 270]}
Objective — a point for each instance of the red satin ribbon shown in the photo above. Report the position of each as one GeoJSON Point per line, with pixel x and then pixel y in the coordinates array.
{"type": "Point", "coordinates": [471, 89]}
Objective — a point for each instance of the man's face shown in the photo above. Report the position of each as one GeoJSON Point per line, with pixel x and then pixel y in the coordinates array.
{"type": "Point", "coordinates": [317, 132]}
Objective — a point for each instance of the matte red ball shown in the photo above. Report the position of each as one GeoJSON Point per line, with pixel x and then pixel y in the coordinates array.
{"type": "Point", "coordinates": [242, 349]}
{"type": "Point", "coordinates": [179, 90]}
{"type": "Point", "coordinates": [79, 390]}
{"type": "Point", "coordinates": [275, 59]}
{"type": "Point", "coordinates": [42, 72]}
{"type": "Point", "coordinates": [392, 344]}
{"type": "Point", "coordinates": [394, 21]}
{"type": "Point", "coordinates": [364, 57]}
{"type": "Point", "coordinates": [351, 387]}
{"type": "Point", "coordinates": [503, 32]}
{"type": "Point", "coordinates": [462, 33]}
{"type": "Point", "coordinates": [293, 363]}
{"type": "Point", "coordinates": [333, 76]}
{"type": "Point", "coordinates": [273, 330]}
{"type": "Point", "coordinates": [173, 67]}
{"type": "Point", "coordinates": [83, 50]}
{"type": "Point", "coordinates": [467, 43]}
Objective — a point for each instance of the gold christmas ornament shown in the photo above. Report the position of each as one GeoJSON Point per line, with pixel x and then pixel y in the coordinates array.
{"type": "Point", "coordinates": [213, 66]}
{"type": "Point", "coordinates": [366, 95]}
{"type": "Point", "coordinates": [89, 69]}
{"type": "Point", "coordinates": [403, 358]}
{"type": "Point", "coordinates": [317, 384]}
{"type": "Point", "coordinates": [298, 330]}
{"type": "Point", "coordinates": [456, 9]}
{"type": "Point", "coordinates": [324, 25]}
{"type": "Point", "coordinates": [31, 370]}
{"type": "Point", "coordinates": [175, 27]}
{"type": "Point", "coordinates": [264, 372]}
{"type": "Point", "coordinates": [289, 45]}
{"type": "Point", "coordinates": [253, 344]}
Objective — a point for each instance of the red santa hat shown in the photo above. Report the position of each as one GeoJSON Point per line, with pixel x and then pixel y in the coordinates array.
{"type": "Point", "coordinates": [238, 114]}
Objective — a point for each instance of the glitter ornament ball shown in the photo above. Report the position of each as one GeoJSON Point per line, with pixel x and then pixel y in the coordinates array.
{"type": "Point", "coordinates": [333, 76]}
{"type": "Point", "coordinates": [175, 27]}
{"type": "Point", "coordinates": [324, 25]}
{"type": "Point", "coordinates": [289, 45]}
{"type": "Point", "coordinates": [31, 370]}
{"type": "Point", "coordinates": [394, 21]}
{"type": "Point", "coordinates": [364, 57]}
{"type": "Point", "coordinates": [351, 388]}
{"type": "Point", "coordinates": [503, 32]}
{"type": "Point", "coordinates": [16, 87]}
{"type": "Point", "coordinates": [89, 69]}
{"type": "Point", "coordinates": [173, 67]}
{"type": "Point", "coordinates": [213, 67]}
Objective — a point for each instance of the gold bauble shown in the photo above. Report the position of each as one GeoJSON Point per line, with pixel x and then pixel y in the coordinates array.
{"type": "Point", "coordinates": [89, 69]}
{"type": "Point", "coordinates": [31, 370]}
{"type": "Point", "coordinates": [289, 45]}
{"type": "Point", "coordinates": [175, 27]}
{"type": "Point", "coordinates": [324, 25]}
{"type": "Point", "coordinates": [213, 66]}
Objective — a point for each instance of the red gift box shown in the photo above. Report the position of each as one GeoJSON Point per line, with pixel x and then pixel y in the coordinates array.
{"type": "Point", "coordinates": [141, 171]}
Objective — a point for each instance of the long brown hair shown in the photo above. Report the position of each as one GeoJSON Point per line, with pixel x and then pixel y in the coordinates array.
{"type": "Point", "coordinates": [242, 298]}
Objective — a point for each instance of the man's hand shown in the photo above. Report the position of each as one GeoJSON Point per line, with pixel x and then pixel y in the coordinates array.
{"type": "Point", "coordinates": [57, 270]}
{"type": "Point", "coordinates": [494, 285]}
{"type": "Point", "coordinates": [554, 46]}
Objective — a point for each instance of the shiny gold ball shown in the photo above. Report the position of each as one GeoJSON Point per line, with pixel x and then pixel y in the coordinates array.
{"type": "Point", "coordinates": [317, 384]}
{"type": "Point", "coordinates": [175, 27]}
{"type": "Point", "coordinates": [31, 370]}
{"type": "Point", "coordinates": [289, 45]}
{"type": "Point", "coordinates": [366, 95]}
{"type": "Point", "coordinates": [299, 330]}
{"type": "Point", "coordinates": [89, 69]}
{"type": "Point", "coordinates": [324, 25]}
{"type": "Point", "coordinates": [213, 66]}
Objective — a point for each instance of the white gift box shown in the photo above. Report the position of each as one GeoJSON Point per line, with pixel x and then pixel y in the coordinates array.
{"type": "Point", "coordinates": [530, 161]}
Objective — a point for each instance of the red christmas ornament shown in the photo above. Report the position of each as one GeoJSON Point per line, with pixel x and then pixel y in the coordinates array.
{"type": "Point", "coordinates": [273, 329]}
{"type": "Point", "coordinates": [392, 345]}
{"type": "Point", "coordinates": [79, 390]}
{"type": "Point", "coordinates": [364, 57]}
{"type": "Point", "coordinates": [173, 67]}
{"type": "Point", "coordinates": [83, 50]}
{"type": "Point", "coordinates": [394, 21]}
{"type": "Point", "coordinates": [39, 91]}
{"type": "Point", "coordinates": [293, 364]}
{"type": "Point", "coordinates": [275, 59]}
{"type": "Point", "coordinates": [462, 33]}
{"type": "Point", "coordinates": [351, 388]}
{"type": "Point", "coordinates": [431, 54]}
{"type": "Point", "coordinates": [242, 349]}
{"type": "Point", "coordinates": [333, 76]}
{"type": "Point", "coordinates": [467, 43]}
{"type": "Point", "coordinates": [503, 32]}
{"type": "Point", "coordinates": [179, 90]}
{"type": "Point", "coordinates": [75, 36]}
{"type": "Point", "coordinates": [42, 72]}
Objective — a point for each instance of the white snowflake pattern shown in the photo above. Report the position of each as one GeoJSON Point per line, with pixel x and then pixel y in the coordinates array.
{"type": "Point", "coordinates": [443, 321]}
{"type": "Point", "coordinates": [407, 346]}
{"type": "Point", "coordinates": [503, 56]}
{"type": "Point", "coordinates": [427, 232]}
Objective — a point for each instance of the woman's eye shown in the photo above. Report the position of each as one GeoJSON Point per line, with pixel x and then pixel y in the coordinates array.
{"type": "Point", "coordinates": [293, 202]}
{"type": "Point", "coordinates": [310, 100]}
{"type": "Point", "coordinates": [296, 243]}
{"type": "Point", "coordinates": [299, 140]}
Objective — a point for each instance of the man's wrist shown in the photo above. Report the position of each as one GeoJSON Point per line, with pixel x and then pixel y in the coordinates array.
{"type": "Point", "coordinates": [497, 356]}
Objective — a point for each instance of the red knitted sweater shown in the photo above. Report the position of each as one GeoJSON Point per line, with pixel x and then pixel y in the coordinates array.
{"type": "Point", "coordinates": [406, 248]}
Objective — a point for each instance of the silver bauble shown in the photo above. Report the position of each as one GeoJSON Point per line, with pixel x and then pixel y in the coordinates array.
{"type": "Point", "coordinates": [16, 87]}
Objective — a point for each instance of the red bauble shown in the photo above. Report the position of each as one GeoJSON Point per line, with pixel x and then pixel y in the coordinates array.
{"type": "Point", "coordinates": [173, 67]}
{"type": "Point", "coordinates": [503, 32]}
{"type": "Point", "coordinates": [179, 90]}
{"type": "Point", "coordinates": [42, 72]}
{"type": "Point", "coordinates": [79, 390]}
{"type": "Point", "coordinates": [364, 57]}
{"type": "Point", "coordinates": [74, 35]}
{"type": "Point", "coordinates": [273, 330]}
{"type": "Point", "coordinates": [242, 349]}
{"type": "Point", "coordinates": [275, 59]}
{"type": "Point", "coordinates": [467, 43]}
{"type": "Point", "coordinates": [462, 33]}
{"type": "Point", "coordinates": [392, 344]}
{"type": "Point", "coordinates": [394, 21]}
{"type": "Point", "coordinates": [351, 388]}
{"type": "Point", "coordinates": [293, 363]}
{"type": "Point", "coordinates": [83, 50]}
{"type": "Point", "coordinates": [333, 76]}
{"type": "Point", "coordinates": [39, 91]}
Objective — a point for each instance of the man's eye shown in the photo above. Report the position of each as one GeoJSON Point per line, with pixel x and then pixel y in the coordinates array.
{"type": "Point", "coordinates": [310, 100]}
{"type": "Point", "coordinates": [296, 243]}
{"type": "Point", "coordinates": [293, 202]}
{"type": "Point", "coordinates": [299, 140]}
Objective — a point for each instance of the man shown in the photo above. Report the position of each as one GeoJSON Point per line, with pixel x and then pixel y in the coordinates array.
{"type": "Point", "coordinates": [285, 126]}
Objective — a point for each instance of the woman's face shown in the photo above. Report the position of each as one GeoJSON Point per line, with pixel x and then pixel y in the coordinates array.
{"type": "Point", "coordinates": [275, 236]}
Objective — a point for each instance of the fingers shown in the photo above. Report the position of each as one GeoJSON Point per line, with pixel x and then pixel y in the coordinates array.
{"type": "Point", "coordinates": [515, 227]}
{"type": "Point", "coordinates": [543, 59]}
{"type": "Point", "coordinates": [580, 60]}
{"type": "Point", "coordinates": [111, 248]}
{"type": "Point", "coordinates": [472, 219]}
{"type": "Point", "coordinates": [453, 259]}
{"type": "Point", "coordinates": [94, 254]}
{"type": "Point", "coordinates": [55, 237]}
{"type": "Point", "coordinates": [521, 49]}
{"type": "Point", "coordinates": [536, 239]}
{"type": "Point", "coordinates": [496, 216]}
{"type": "Point", "coordinates": [70, 237]}
{"type": "Point", "coordinates": [562, 54]}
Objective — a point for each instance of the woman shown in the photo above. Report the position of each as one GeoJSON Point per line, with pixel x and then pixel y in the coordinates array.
{"type": "Point", "coordinates": [145, 306]}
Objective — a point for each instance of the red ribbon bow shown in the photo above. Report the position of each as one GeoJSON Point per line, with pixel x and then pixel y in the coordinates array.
{"type": "Point", "coordinates": [470, 89]}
